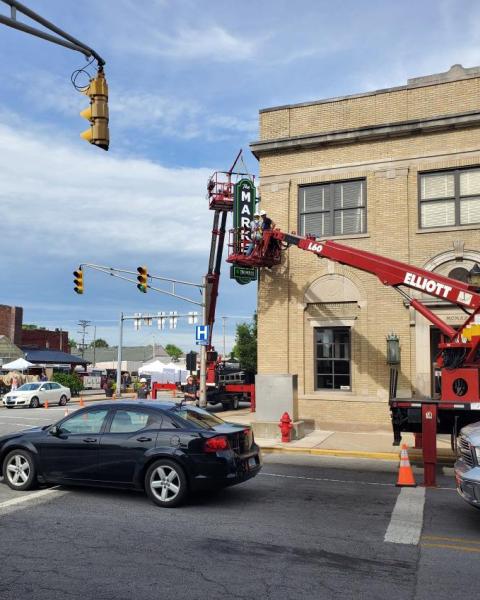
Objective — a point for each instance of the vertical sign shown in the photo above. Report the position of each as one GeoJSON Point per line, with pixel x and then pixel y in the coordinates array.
{"type": "Point", "coordinates": [243, 207]}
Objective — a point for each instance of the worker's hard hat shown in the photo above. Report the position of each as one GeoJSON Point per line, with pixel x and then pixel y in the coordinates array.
{"type": "Point", "coordinates": [257, 214]}
{"type": "Point", "coordinates": [263, 213]}
{"type": "Point", "coordinates": [143, 380]}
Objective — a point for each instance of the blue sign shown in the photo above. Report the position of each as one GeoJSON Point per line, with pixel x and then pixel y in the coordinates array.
{"type": "Point", "coordinates": [201, 334]}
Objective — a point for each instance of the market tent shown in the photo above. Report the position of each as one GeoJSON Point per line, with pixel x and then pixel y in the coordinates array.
{"type": "Point", "coordinates": [18, 365]}
{"type": "Point", "coordinates": [162, 373]}
{"type": "Point", "coordinates": [154, 367]}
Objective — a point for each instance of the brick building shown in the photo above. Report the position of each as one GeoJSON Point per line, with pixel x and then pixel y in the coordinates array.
{"type": "Point", "coordinates": [11, 318]}
{"type": "Point", "coordinates": [44, 338]}
{"type": "Point", "coordinates": [394, 171]}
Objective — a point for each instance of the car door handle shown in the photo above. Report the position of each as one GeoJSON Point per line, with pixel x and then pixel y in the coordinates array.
{"type": "Point", "coordinates": [89, 440]}
{"type": "Point", "coordinates": [144, 439]}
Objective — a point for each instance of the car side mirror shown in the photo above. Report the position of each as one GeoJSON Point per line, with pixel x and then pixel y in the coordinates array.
{"type": "Point", "coordinates": [56, 431]}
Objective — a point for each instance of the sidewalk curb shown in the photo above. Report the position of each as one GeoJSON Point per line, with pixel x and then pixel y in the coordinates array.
{"type": "Point", "coordinates": [391, 456]}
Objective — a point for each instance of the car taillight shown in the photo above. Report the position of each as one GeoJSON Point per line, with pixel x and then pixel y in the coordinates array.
{"type": "Point", "coordinates": [214, 444]}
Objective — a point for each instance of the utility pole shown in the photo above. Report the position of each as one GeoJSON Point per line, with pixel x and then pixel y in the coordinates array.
{"type": "Point", "coordinates": [94, 344]}
{"type": "Point", "coordinates": [83, 324]}
{"type": "Point", "coordinates": [224, 319]}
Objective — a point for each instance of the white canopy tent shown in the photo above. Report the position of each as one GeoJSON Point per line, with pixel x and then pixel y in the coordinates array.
{"type": "Point", "coordinates": [164, 373]}
{"type": "Point", "coordinates": [18, 365]}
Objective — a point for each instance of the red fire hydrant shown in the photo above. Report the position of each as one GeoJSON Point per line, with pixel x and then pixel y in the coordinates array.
{"type": "Point", "coordinates": [286, 427]}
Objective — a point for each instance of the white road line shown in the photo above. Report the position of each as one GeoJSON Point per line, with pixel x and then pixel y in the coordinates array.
{"type": "Point", "coordinates": [406, 522]}
{"type": "Point", "coordinates": [30, 497]}
{"type": "Point", "coordinates": [328, 479]}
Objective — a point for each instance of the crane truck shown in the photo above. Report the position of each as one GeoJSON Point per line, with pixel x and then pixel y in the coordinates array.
{"type": "Point", "coordinates": [459, 350]}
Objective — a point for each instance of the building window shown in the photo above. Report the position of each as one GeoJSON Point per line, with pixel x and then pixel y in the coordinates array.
{"type": "Point", "coordinates": [332, 357]}
{"type": "Point", "coordinates": [333, 208]}
{"type": "Point", "coordinates": [450, 198]}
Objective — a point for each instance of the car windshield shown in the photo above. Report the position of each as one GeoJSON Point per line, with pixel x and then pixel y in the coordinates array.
{"type": "Point", "coordinates": [196, 416]}
{"type": "Point", "coordinates": [28, 387]}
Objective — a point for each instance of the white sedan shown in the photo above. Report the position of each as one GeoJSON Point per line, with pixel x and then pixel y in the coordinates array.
{"type": "Point", "coordinates": [36, 394]}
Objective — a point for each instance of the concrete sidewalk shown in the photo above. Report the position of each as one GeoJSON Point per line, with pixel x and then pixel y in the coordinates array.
{"type": "Point", "coordinates": [353, 444]}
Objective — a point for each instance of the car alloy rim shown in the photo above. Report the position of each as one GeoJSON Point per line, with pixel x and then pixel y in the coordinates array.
{"type": "Point", "coordinates": [165, 483]}
{"type": "Point", "coordinates": [18, 469]}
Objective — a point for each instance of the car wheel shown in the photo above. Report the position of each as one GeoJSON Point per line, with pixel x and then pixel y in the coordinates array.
{"type": "Point", "coordinates": [19, 470]}
{"type": "Point", "coordinates": [34, 402]}
{"type": "Point", "coordinates": [63, 401]}
{"type": "Point", "coordinates": [166, 483]}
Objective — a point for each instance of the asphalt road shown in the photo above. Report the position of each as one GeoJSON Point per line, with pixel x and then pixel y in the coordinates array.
{"type": "Point", "coordinates": [306, 527]}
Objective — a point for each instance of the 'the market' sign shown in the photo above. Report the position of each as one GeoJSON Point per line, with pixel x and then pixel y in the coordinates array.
{"type": "Point", "coordinates": [243, 207]}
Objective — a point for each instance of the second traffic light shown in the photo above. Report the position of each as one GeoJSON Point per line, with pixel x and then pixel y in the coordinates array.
{"type": "Point", "coordinates": [97, 112]}
{"type": "Point", "coordinates": [142, 278]}
{"type": "Point", "coordinates": [78, 280]}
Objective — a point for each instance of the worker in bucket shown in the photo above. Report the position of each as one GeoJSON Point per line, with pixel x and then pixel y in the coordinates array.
{"type": "Point", "coordinates": [255, 233]}
{"type": "Point", "coordinates": [267, 222]}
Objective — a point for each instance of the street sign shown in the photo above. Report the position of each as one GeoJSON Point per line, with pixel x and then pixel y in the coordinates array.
{"type": "Point", "coordinates": [243, 275]}
{"type": "Point", "coordinates": [201, 334]}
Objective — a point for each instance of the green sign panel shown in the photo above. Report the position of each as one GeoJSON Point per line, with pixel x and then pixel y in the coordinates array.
{"type": "Point", "coordinates": [243, 275]}
{"type": "Point", "coordinates": [243, 208]}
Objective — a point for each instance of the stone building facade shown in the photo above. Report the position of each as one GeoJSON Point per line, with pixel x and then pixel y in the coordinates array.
{"type": "Point", "coordinates": [395, 172]}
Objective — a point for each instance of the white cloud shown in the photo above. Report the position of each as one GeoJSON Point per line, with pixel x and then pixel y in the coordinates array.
{"type": "Point", "coordinates": [71, 200]}
{"type": "Point", "coordinates": [160, 114]}
{"type": "Point", "coordinates": [194, 43]}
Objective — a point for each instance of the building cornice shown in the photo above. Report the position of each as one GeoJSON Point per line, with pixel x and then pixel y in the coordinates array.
{"type": "Point", "coordinates": [368, 133]}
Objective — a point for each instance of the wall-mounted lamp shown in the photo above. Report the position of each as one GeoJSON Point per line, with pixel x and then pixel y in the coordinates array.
{"type": "Point", "coordinates": [393, 349]}
{"type": "Point", "coordinates": [474, 276]}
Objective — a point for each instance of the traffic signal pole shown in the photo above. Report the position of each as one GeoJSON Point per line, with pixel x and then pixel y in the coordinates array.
{"type": "Point", "coordinates": [203, 352]}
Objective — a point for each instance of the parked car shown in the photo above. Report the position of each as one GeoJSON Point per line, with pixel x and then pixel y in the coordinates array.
{"type": "Point", "coordinates": [36, 394]}
{"type": "Point", "coordinates": [467, 466]}
{"type": "Point", "coordinates": [164, 448]}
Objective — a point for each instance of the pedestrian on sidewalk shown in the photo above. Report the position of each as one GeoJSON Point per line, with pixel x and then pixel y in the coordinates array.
{"type": "Point", "coordinates": [190, 393]}
{"type": "Point", "coordinates": [143, 390]}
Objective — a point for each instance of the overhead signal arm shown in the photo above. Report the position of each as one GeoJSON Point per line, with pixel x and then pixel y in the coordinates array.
{"type": "Point", "coordinates": [62, 38]}
{"type": "Point", "coordinates": [120, 274]}
{"type": "Point", "coordinates": [96, 89]}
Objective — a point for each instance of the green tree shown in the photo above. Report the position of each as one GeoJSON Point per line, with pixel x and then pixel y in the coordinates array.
{"type": "Point", "coordinates": [174, 351]}
{"type": "Point", "coordinates": [245, 349]}
{"type": "Point", "coordinates": [99, 344]}
{"type": "Point", "coordinates": [70, 380]}
{"type": "Point", "coordinates": [72, 343]}
{"type": "Point", "coordinates": [32, 326]}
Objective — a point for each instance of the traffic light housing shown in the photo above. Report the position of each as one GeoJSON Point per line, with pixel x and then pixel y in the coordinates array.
{"type": "Point", "coordinates": [78, 281]}
{"type": "Point", "coordinates": [142, 277]}
{"type": "Point", "coordinates": [97, 112]}
{"type": "Point", "coordinates": [191, 361]}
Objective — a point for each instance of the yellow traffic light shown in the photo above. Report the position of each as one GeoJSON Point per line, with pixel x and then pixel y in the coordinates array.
{"type": "Point", "coordinates": [97, 112]}
{"type": "Point", "coordinates": [142, 277]}
{"type": "Point", "coordinates": [78, 280]}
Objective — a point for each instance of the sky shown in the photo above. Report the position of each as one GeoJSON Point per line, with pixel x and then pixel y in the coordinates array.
{"type": "Point", "coordinates": [186, 81]}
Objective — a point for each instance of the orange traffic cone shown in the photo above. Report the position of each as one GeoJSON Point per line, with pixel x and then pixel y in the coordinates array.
{"type": "Point", "coordinates": [46, 404]}
{"type": "Point", "coordinates": [405, 473]}
{"type": "Point", "coordinates": [82, 403]}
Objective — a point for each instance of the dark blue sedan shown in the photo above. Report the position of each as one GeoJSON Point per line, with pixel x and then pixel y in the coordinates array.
{"type": "Point", "coordinates": [163, 448]}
